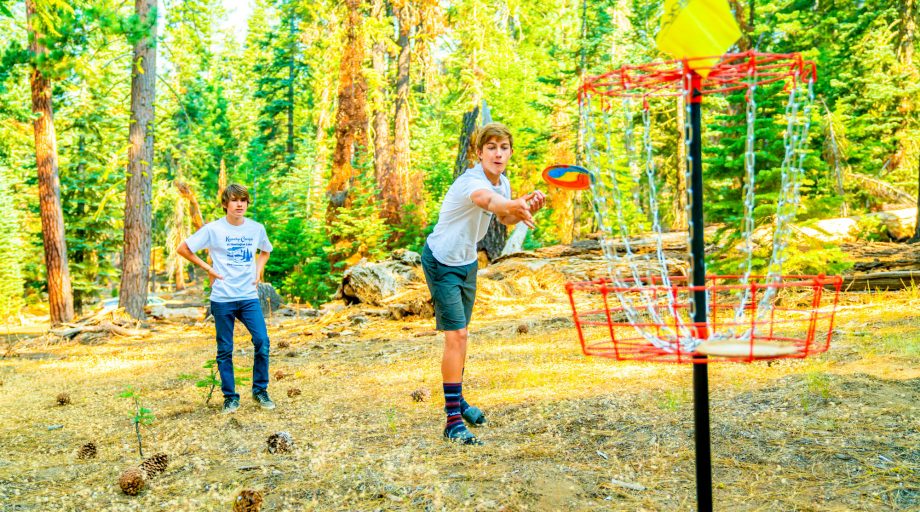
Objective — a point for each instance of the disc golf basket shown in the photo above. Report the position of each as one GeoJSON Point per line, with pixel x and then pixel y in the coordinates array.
{"type": "Point", "coordinates": [647, 308]}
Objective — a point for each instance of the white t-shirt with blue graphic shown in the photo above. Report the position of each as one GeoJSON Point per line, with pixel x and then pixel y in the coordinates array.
{"type": "Point", "coordinates": [233, 255]}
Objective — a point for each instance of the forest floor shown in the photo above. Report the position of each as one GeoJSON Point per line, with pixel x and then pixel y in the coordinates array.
{"type": "Point", "coordinates": [838, 431]}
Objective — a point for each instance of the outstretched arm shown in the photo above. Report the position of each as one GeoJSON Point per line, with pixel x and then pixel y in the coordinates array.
{"type": "Point", "coordinates": [184, 251]}
{"type": "Point", "coordinates": [261, 260]}
{"type": "Point", "coordinates": [510, 211]}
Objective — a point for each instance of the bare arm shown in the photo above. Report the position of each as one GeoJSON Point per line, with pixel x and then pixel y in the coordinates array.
{"type": "Point", "coordinates": [509, 211]}
{"type": "Point", "coordinates": [261, 260]}
{"type": "Point", "coordinates": [184, 251]}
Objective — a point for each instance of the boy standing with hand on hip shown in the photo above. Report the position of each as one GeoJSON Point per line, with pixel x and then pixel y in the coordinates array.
{"type": "Point", "coordinates": [233, 241]}
{"type": "Point", "coordinates": [450, 262]}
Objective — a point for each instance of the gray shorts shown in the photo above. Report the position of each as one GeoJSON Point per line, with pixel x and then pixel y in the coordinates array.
{"type": "Point", "coordinates": [453, 290]}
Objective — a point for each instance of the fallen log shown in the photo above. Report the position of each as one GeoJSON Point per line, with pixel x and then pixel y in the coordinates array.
{"type": "Point", "coordinates": [869, 257]}
{"type": "Point", "coordinates": [891, 281]}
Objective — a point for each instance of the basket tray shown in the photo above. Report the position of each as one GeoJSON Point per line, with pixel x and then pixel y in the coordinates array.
{"type": "Point", "coordinates": [651, 321]}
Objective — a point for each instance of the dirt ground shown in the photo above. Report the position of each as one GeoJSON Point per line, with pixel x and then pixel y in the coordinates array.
{"type": "Point", "coordinates": [839, 431]}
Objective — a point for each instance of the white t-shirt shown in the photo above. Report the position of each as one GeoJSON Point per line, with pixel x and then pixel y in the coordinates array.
{"type": "Point", "coordinates": [233, 255]}
{"type": "Point", "coordinates": [462, 224]}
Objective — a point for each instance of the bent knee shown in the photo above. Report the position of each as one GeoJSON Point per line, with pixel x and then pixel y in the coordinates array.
{"type": "Point", "coordinates": [456, 338]}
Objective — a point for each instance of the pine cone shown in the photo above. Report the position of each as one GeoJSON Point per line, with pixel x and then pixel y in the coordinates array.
{"type": "Point", "coordinates": [523, 328]}
{"type": "Point", "coordinates": [63, 398]}
{"type": "Point", "coordinates": [280, 375]}
{"type": "Point", "coordinates": [87, 451]}
{"type": "Point", "coordinates": [280, 442]}
{"type": "Point", "coordinates": [292, 392]}
{"type": "Point", "coordinates": [283, 344]}
{"type": "Point", "coordinates": [421, 394]}
{"type": "Point", "coordinates": [132, 481]}
{"type": "Point", "coordinates": [155, 464]}
{"type": "Point", "coordinates": [248, 500]}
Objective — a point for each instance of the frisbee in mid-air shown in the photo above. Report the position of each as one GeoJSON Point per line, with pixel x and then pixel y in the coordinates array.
{"type": "Point", "coordinates": [571, 177]}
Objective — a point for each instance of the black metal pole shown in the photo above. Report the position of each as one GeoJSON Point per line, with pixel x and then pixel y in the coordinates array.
{"type": "Point", "coordinates": [698, 276]}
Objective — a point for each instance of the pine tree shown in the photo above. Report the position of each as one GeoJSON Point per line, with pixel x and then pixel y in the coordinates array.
{"type": "Point", "coordinates": [132, 294]}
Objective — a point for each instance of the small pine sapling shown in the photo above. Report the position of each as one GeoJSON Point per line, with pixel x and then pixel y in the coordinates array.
{"type": "Point", "coordinates": [212, 379]}
{"type": "Point", "coordinates": [142, 415]}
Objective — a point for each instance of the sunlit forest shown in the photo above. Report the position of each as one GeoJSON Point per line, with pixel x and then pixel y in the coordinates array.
{"type": "Point", "coordinates": [122, 123]}
{"type": "Point", "coordinates": [345, 121]}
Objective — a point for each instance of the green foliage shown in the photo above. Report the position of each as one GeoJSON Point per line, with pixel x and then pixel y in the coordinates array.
{"type": "Point", "coordinates": [11, 279]}
{"type": "Point", "coordinates": [413, 230]}
{"type": "Point", "coordinates": [142, 416]}
{"type": "Point", "coordinates": [817, 390]}
{"type": "Point", "coordinates": [361, 228]}
{"type": "Point", "coordinates": [13, 237]}
{"type": "Point", "coordinates": [302, 265]}
{"type": "Point", "coordinates": [871, 229]}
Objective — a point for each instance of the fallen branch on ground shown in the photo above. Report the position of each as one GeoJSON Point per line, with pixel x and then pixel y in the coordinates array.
{"type": "Point", "coordinates": [72, 330]}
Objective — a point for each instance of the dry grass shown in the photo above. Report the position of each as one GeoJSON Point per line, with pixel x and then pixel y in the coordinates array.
{"type": "Point", "coordinates": [837, 432]}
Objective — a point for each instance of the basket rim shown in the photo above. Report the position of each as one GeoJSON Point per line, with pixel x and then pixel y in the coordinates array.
{"type": "Point", "coordinates": [786, 281]}
{"type": "Point", "coordinates": [731, 72]}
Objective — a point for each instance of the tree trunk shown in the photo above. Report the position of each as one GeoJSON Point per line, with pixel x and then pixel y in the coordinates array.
{"type": "Point", "coordinates": [387, 181]}
{"type": "Point", "coordinates": [290, 92]}
{"type": "Point", "coordinates": [80, 252]}
{"type": "Point", "coordinates": [317, 179]}
{"type": "Point", "coordinates": [426, 33]}
{"type": "Point", "coordinates": [746, 24]}
{"type": "Point", "coordinates": [137, 232]}
{"type": "Point", "coordinates": [351, 118]}
{"type": "Point", "coordinates": [60, 292]}
{"type": "Point", "coordinates": [916, 238]}
{"type": "Point", "coordinates": [494, 241]}
{"type": "Point", "coordinates": [907, 31]}
{"type": "Point", "coordinates": [222, 182]}
{"type": "Point", "coordinates": [194, 210]}
{"type": "Point", "coordinates": [680, 177]}
{"type": "Point", "coordinates": [194, 213]}
{"type": "Point", "coordinates": [497, 234]}
{"type": "Point", "coordinates": [411, 184]}
{"type": "Point", "coordinates": [178, 262]}
{"type": "Point", "coordinates": [466, 133]}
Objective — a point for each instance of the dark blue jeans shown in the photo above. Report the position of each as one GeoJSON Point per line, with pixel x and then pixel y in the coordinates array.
{"type": "Point", "coordinates": [250, 313]}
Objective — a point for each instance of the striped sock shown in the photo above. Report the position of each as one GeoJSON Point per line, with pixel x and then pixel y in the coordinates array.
{"type": "Point", "coordinates": [453, 391]}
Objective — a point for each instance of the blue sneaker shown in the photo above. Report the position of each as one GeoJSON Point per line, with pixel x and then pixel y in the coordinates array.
{"type": "Point", "coordinates": [231, 405]}
{"type": "Point", "coordinates": [263, 399]}
{"type": "Point", "coordinates": [474, 416]}
{"type": "Point", "coordinates": [461, 434]}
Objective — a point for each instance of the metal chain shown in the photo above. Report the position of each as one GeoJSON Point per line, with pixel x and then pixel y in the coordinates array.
{"type": "Point", "coordinates": [650, 173]}
{"type": "Point", "coordinates": [749, 186]}
{"type": "Point", "coordinates": [631, 155]}
{"type": "Point", "coordinates": [606, 184]}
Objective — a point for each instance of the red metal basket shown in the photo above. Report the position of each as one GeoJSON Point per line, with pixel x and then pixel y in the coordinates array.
{"type": "Point", "coordinates": [651, 321]}
{"type": "Point", "coordinates": [669, 78]}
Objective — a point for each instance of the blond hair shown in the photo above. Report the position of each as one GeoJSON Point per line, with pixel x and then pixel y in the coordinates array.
{"type": "Point", "coordinates": [234, 192]}
{"type": "Point", "coordinates": [490, 132]}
